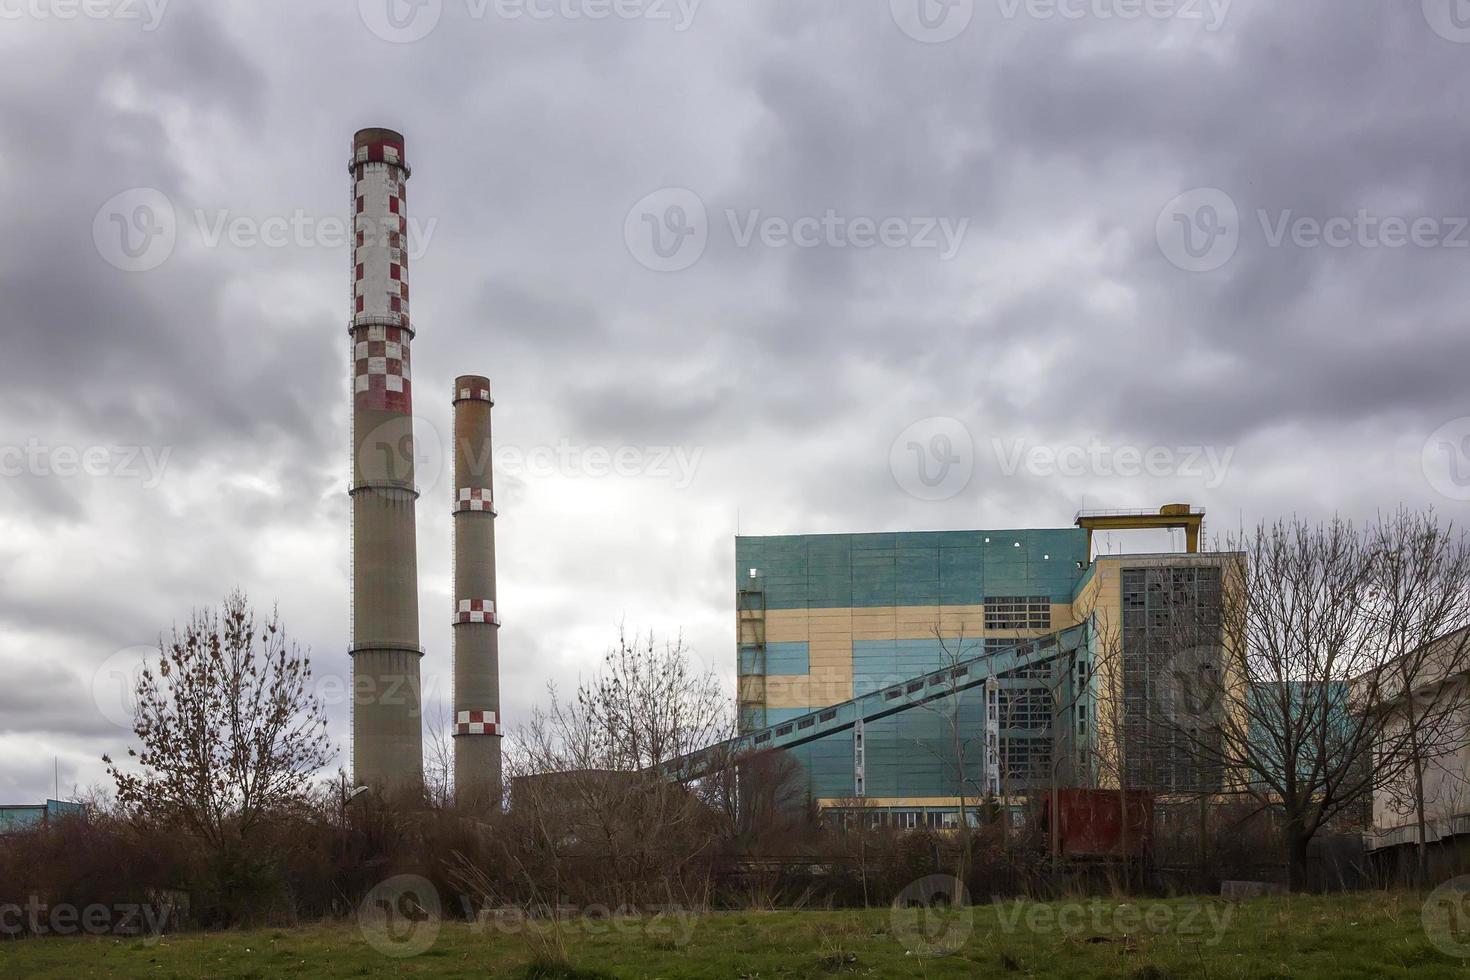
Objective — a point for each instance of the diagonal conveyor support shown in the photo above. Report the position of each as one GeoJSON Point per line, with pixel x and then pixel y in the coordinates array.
{"type": "Point", "coordinates": [916, 691]}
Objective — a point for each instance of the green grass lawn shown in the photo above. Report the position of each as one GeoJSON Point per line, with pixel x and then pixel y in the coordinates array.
{"type": "Point", "coordinates": [1366, 935]}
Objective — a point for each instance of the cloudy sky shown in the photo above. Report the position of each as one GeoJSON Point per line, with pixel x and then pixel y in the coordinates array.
{"type": "Point", "coordinates": [828, 265]}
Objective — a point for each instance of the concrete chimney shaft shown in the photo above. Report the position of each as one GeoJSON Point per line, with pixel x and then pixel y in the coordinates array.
{"type": "Point", "coordinates": [477, 728]}
{"type": "Point", "coordinates": [387, 739]}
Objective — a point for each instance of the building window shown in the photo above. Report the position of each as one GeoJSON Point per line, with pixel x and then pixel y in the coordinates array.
{"type": "Point", "coordinates": [1017, 612]}
{"type": "Point", "coordinates": [1166, 609]}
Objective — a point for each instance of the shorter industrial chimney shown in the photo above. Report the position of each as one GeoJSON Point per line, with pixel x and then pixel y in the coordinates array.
{"type": "Point", "coordinates": [477, 725]}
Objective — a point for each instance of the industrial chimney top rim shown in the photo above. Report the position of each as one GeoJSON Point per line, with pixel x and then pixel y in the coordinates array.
{"type": "Point", "coordinates": [373, 134]}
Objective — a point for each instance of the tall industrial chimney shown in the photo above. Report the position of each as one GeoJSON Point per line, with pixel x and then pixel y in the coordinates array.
{"type": "Point", "coordinates": [476, 623]}
{"type": "Point", "coordinates": [387, 741]}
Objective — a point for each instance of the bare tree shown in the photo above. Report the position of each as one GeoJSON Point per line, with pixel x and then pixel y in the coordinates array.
{"type": "Point", "coordinates": [603, 816]}
{"type": "Point", "coordinates": [956, 756]}
{"type": "Point", "coordinates": [1319, 631]}
{"type": "Point", "coordinates": [860, 823]}
{"type": "Point", "coordinates": [439, 757]}
{"type": "Point", "coordinates": [230, 730]}
{"type": "Point", "coordinates": [1420, 575]}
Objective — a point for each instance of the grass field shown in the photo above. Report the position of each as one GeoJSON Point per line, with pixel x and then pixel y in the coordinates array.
{"type": "Point", "coordinates": [1366, 935]}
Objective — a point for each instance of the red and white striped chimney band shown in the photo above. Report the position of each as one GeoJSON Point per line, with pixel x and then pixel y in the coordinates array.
{"type": "Point", "coordinates": [380, 151]}
{"type": "Point", "coordinates": [382, 358]}
{"type": "Point", "coordinates": [477, 611]}
{"type": "Point", "coordinates": [380, 265]}
{"type": "Point", "coordinates": [474, 394]}
{"type": "Point", "coordinates": [475, 499]}
{"type": "Point", "coordinates": [380, 331]}
{"type": "Point", "coordinates": [476, 723]}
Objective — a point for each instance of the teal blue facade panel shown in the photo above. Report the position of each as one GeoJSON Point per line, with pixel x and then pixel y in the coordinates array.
{"type": "Point", "coordinates": [911, 568]}
{"type": "Point", "coordinates": [788, 659]}
{"type": "Point", "coordinates": [911, 754]}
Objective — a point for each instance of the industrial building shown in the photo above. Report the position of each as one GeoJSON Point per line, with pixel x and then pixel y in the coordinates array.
{"type": "Point", "coordinates": [1395, 828]}
{"type": "Point", "coordinates": [17, 817]}
{"type": "Point", "coordinates": [906, 670]}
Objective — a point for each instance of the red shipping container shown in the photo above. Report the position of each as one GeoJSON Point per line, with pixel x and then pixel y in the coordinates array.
{"type": "Point", "coordinates": [1092, 823]}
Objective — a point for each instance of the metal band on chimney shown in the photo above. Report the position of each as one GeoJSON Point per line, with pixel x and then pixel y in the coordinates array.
{"type": "Point", "coordinates": [471, 500]}
{"type": "Point", "coordinates": [476, 723]}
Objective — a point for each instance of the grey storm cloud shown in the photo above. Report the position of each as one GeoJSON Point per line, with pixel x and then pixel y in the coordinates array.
{"type": "Point", "coordinates": [1062, 318]}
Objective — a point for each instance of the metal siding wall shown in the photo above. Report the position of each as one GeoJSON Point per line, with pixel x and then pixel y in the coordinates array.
{"type": "Point", "coordinates": [788, 659]}
{"type": "Point", "coordinates": [911, 568]}
{"type": "Point", "coordinates": [857, 604]}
